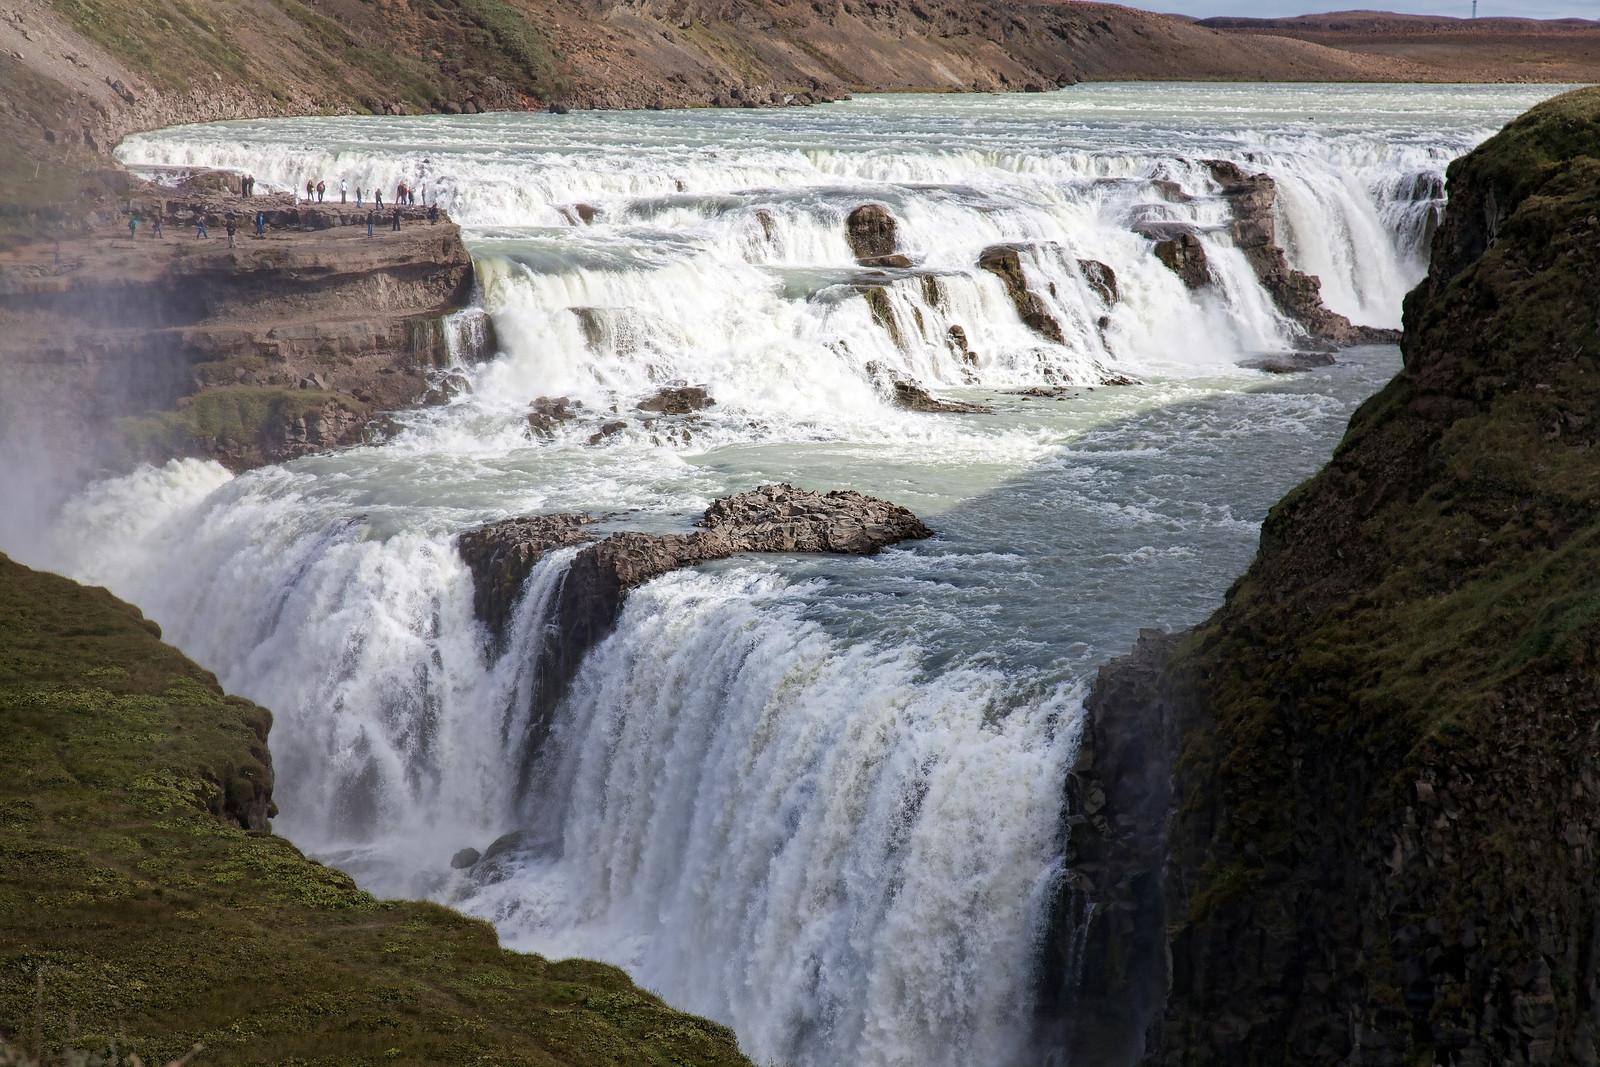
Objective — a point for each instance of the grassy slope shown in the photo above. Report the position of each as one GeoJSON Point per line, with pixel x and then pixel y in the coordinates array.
{"type": "Point", "coordinates": [133, 909]}
{"type": "Point", "coordinates": [1425, 610]}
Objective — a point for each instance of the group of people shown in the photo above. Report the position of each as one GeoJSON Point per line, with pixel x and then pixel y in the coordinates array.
{"type": "Point", "coordinates": [230, 224]}
{"type": "Point", "coordinates": [403, 194]}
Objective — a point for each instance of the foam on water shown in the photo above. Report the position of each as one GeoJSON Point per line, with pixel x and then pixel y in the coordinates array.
{"type": "Point", "coordinates": [815, 798]}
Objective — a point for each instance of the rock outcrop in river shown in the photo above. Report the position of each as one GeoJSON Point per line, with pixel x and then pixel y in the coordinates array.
{"type": "Point", "coordinates": [1383, 751]}
{"type": "Point", "coordinates": [1298, 295]}
{"type": "Point", "coordinates": [771, 518]}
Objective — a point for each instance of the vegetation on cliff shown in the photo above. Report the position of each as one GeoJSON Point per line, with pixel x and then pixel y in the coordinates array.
{"type": "Point", "coordinates": [1387, 791]}
{"type": "Point", "coordinates": [145, 906]}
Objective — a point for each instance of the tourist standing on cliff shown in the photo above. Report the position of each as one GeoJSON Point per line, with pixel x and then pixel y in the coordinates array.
{"type": "Point", "coordinates": [261, 224]}
{"type": "Point", "coordinates": [133, 226]}
{"type": "Point", "coordinates": [377, 198]}
{"type": "Point", "coordinates": [200, 231]}
{"type": "Point", "coordinates": [397, 218]}
{"type": "Point", "coordinates": [155, 227]}
{"type": "Point", "coordinates": [343, 188]}
{"type": "Point", "coordinates": [310, 190]}
{"type": "Point", "coordinates": [321, 188]}
{"type": "Point", "coordinates": [372, 217]}
{"type": "Point", "coordinates": [232, 228]}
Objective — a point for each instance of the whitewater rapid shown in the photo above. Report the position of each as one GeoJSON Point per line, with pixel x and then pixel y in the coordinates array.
{"type": "Point", "coordinates": [818, 799]}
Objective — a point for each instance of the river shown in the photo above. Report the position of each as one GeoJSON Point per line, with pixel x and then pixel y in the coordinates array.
{"type": "Point", "coordinates": [818, 799]}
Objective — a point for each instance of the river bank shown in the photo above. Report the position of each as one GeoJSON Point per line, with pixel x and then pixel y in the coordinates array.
{"type": "Point", "coordinates": [1353, 812]}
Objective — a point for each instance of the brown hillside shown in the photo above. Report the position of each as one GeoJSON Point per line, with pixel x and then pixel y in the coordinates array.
{"type": "Point", "coordinates": [1489, 49]}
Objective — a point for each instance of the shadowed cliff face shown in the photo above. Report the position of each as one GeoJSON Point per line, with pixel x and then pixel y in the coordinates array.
{"type": "Point", "coordinates": [1385, 747]}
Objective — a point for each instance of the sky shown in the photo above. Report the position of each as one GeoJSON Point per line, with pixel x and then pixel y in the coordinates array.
{"type": "Point", "coordinates": [1530, 9]}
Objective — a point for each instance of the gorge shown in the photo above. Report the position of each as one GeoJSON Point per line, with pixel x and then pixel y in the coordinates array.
{"type": "Point", "coordinates": [818, 800]}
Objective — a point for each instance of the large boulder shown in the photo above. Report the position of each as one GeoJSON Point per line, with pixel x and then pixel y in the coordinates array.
{"type": "Point", "coordinates": [1005, 263]}
{"type": "Point", "coordinates": [1185, 256]}
{"type": "Point", "coordinates": [871, 230]}
{"type": "Point", "coordinates": [678, 400]}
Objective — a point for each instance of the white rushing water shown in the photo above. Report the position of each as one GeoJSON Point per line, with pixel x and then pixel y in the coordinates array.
{"type": "Point", "coordinates": [815, 798]}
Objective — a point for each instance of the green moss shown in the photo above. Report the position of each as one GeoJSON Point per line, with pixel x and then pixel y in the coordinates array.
{"type": "Point", "coordinates": [232, 417]}
{"type": "Point", "coordinates": [132, 910]}
{"type": "Point", "coordinates": [1425, 610]}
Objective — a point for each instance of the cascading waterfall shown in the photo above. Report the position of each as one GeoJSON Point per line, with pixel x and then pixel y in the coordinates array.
{"type": "Point", "coordinates": [818, 799]}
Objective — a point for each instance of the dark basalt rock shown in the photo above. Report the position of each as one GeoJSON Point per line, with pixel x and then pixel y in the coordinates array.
{"type": "Point", "coordinates": [1104, 974]}
{"type": "Point", "coordinates": [1185, 256]}
{"type": "Point", "coordinates": [871, 232]}
{"type": "Point", "coordinates": [464, 859]}
{"type": "Point", "coordinates": [678, 400]}
{"type": "Point", "coordinates": [1005, 263]}
{"type": "Point", "coordinates": [502, 555]}
{"type": "Point", "coordinates": [772, 518]}
{"type": "Point", "coordinates": [1297, 294]}
{"type": "Point", "coordinates": [909, 394]}
{"type": "Point", "coordinates": [550, 412]}
{"type": "Point", "coordinates": [1101, 278]}
{"type": "Point", "coordinates": [1288, 362]}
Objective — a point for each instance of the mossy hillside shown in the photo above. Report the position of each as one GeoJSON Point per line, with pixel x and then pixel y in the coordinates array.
{"type": "Point", "coordinates": [135, 908]}
{"type": "Point", "coordinates": [1388, 785]}
{"type": "Point", "coordinates": [343, 53]}
{"type": "Point", "coordinates": [231, 419]}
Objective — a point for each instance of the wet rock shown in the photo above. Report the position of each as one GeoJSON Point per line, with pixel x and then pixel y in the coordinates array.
{"type": "Point", "coordinates": [502, 555]}
{"type": "Point", "coordinates": [464, 859]}
{"type": "Point", "coordinates": [1185, 256]}
{"type": "Point", "coordinates": [1005, 263]}
{"type": "Point", "coordinates": [550, 412]}
{"type": "Point", "coordinates": [871, 231]}
{"type": "Point", "coordinates": [678, 400]}
{"type": "Point", "coordinates": [557, 108]}
{"type": "Point", "coordinates": [1251, 198]}
{"type": "Point", "coordinates": [909, 394]}
{"type": "Point", "coordinates": [877, 298]}
{"type": "Point", "coordinates": [1288, 362]}
{"type": "Point", "coordinates": [957, 340]}
{"type": "Point", "coordinates": [771, 518]}
{"type": "Point", "coordinates": [606, 430]}
{"type": "Point", "coordinates": [1101, 278]}
{"type": "Point", "coordinates": [897, 260]}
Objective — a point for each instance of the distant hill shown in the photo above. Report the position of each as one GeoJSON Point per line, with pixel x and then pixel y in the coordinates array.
{"type": "Point", "coordinates": [1487, 49]}
{"type": "Point", "coordinates": [78, 75]}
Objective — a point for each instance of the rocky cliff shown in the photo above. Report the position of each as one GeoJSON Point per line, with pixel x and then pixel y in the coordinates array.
{"type": "Point", "coordinates": [149, 909]}
{"type": "Point", "coordinates": [114, 349]}
{"type": "Point", "coordinates": [1376, 781]}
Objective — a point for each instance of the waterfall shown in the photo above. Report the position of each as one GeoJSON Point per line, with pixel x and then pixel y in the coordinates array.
{"type": "Point", "coordinates": [818, 799]}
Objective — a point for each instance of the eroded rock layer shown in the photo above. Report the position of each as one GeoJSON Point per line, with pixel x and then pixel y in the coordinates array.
{"type": "Point", "coordinates": [285, 344]}
{"type": "Point", "coordinates": [1254, 230]}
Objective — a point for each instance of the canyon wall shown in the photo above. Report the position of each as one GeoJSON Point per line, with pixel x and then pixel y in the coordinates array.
{"type": "Point", "coordinates": [1368, 832]}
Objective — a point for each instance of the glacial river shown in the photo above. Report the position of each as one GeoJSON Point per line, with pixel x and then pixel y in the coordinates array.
{"type": "Point", "coordinates": [817, 799]}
